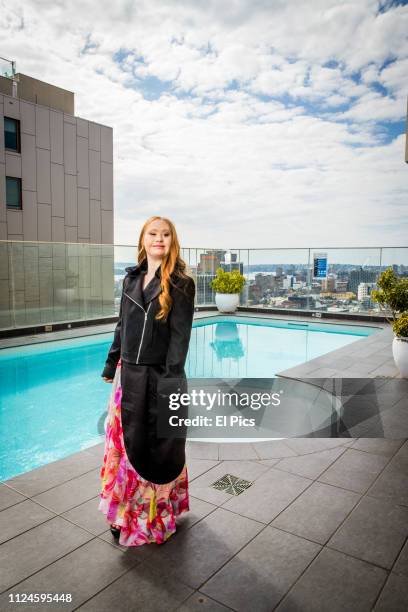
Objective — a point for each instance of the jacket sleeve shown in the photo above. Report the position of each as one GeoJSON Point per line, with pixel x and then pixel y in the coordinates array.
{"type": "Point", "coordinates": [180, 322]}
{"type": "Point", "coordinates": [114, 351]}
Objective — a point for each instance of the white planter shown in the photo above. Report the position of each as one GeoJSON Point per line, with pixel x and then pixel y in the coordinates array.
{"type": "Point", "coordinates": [227, 302]}
{"type": "Point", "coordinates": [400, 354]}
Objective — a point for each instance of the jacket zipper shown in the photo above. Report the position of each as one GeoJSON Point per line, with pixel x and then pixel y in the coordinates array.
{"type": "Point", "coordinates": [144, 324]}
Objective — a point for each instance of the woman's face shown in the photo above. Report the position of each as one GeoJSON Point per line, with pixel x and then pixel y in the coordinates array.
{"type": "Point", "coordinates": [157, 239]}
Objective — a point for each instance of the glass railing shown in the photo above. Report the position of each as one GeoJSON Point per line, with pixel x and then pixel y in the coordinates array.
{"type": "Point", "coordinates": [44, 283]}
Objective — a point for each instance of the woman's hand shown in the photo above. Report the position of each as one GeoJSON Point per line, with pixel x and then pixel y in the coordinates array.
{"type": "Point", "coordinates": [109, 380]}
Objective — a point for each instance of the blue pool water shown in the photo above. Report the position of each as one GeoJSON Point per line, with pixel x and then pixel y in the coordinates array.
{"type": "Point", "coordinates": [53, 400]}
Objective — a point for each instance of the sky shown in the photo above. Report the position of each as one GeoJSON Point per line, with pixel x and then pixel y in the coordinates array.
{"type": "Point", "coordinates": [248, 123]}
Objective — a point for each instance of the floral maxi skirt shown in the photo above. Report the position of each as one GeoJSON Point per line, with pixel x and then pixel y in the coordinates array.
{"type": "Point", "coordinates": [145, 511]}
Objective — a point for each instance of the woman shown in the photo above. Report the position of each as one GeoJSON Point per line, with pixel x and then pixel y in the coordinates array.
{"type": "Point", "coordinates": [144, 477]}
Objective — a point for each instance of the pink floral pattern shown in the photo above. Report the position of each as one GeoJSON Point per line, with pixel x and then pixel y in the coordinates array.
{"type": "Point", "coordinates": [145, 511]}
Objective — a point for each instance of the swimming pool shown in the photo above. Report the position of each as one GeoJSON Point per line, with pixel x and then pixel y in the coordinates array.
{"type": "Point", "coordinates": [53, 400]}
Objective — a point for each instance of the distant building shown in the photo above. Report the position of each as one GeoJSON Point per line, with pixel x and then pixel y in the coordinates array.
{"type": "Point", "coordinates": [56, 169]}
{"type": "Point", "coordinates": [360, 276]}
{"type": "Point", "coordinates": [364, 291]}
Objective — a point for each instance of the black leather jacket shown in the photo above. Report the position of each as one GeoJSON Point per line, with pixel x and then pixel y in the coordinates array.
{"type": "Point", "coordinates": [141, 339]}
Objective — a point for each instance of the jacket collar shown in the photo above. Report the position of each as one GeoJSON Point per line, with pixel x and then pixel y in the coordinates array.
{"type": "Point", "coordinates": [135, 290]}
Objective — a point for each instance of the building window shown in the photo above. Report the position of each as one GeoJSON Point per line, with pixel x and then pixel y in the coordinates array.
{"type": "Point", "coordinates": [12, 134]}
{"type": "Point", "coordinates": [13, 192]}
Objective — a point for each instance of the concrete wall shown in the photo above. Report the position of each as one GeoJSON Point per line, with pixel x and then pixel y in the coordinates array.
{"type": "Point", "coordinates": [67, 176]}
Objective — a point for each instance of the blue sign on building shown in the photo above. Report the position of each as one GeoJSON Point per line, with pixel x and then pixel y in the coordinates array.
{"type": "Point", "coordinates": [319, 265]}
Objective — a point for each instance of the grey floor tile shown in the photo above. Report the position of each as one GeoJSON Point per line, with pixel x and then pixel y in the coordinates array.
{"type": "Point", "coordinates": [394, 596]}
{"type": "Point", "coordinates": [143, 588]}
{"type": "Point", "coordinates": [262, 572]}
{"type": "Point", "coordinates": [34, 549]}
{"type": "Point", "coordinates": [304, 446]}
{"type": "Point", "coordinates": [201, 486]}
{"type": "Point", "coordinates": [379, 446]}
{"type": "Point", "coordinates": [198, 602]}
{"type": "Point", "coordinates": [194, 555]}
{"type": "Point", "coordinates": [196, 467]}
{"type": "Point", "coordinates": [354, 470]}
{"type": "Point", "coordinates": [312, 464]}
{"type": "Point", "coordinates": [268, 496]}
{"type": "Point", "coordinates": [322, 372]}
{"type": "Point", "coordinates": [71, 493]}
{"type": "Point", "coordinates": [236, 450]}
{"type": "Point", "coordinates": [275, 449]}
{"type": "Point", "coordinates": [202, 450]}
{"type": "Point", "coordinates": [82, 573]}
{"type": "Point", "coordinates": [20, 518]}
{"type": "Point", "coordinates": [97, 450]}
{"type": "Point", "coordinates": [51, 475]}
{"type": "Point", "coordinates": [375, 531]}
{"type": "Point", "coordinates": [335, 582]}
{"type": "Point", "coordinates": [317, 512]}
{"type": "Point", "coordinates": [401, 564]}
{"type": "Point", "coordinates": [392, 484]}
{"type": "Point", "coordinates": [394, 421]}
{"type": "Point", "coordinates": [9, 497]}
{"type": "Point", "coordinates": [198, 510]}
{"type": "Point", "coordinates": [88, 516]}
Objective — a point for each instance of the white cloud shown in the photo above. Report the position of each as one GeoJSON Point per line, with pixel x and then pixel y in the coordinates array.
{"type": "Point", "coordinates": [248, 127]}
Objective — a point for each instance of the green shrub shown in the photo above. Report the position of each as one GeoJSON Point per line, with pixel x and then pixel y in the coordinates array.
{"type": "Point", "coordinates": [400, 326]}
{"type": "Point", "coordinates": [392, 295]}
{"type": "Point", "coordinates": [228, 282]}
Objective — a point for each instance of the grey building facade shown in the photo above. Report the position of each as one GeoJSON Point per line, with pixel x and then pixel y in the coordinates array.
{"type": "Point", "coordinates": [56, 209]}
{"type": "Point", "coordinates": [64, 165]}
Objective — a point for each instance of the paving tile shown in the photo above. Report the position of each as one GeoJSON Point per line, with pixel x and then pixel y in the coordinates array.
{"type": "Point", "coordinates": [322, 372]}
{"type": "Point", "coordinates": [335, 582]}
{"type": "Point", "coordinates": [88, 516]}
{"type": "Point", "coordinates": [394, 421]}
{"type": "Point", "coordinates": [142, 588]}
{"type": "Point", "coordinates": [394, 596]}
{"type": "Point", "coordinates": [97, 450]}
{"type": "Point", "coordinates": [198, 602]}
{"type": "Point", "coordinates": [312, 464]}
{"type": "Point", "coordinates": [196, 467]}
{"type": "Point", "coordinates": [375, 531]}
{"type": "Point", "coordinates": [275, 449]}
{"type": "Point", "coordinates": [304, 446]}
{"type": "Point", "coordinates": [401, 564]}
{"type": "Point", "coordinates": [194, 555]}
{"type": "Point", "coordinates": [268, 496]}
{"type": "Point", "coordinates": [71, 493]}
{"type": "Point", "coordinates": [379, 446]}
{"type": "Point", "coordinates": [202, 450]}
{"type": "Point", "coordinates": [82, 573]}
{"type": "Point", "coordinates": [201, 486]}
{"type": "Point", "coordinates": [392, 484]}
{"type": "Point", "coordinates": [53, 474]}
{"type": "Point", "coordinates": [354, 470]}
{"type": "Point", "coordinates": [236, 450]}
{"type": "Point", "coordinates": [198, 510]}
{"type": "Point", "coordinates": [34, 549]}
{"type": "Point", "coordinates": [262, 572]}
{"type": "Point", "coordinates": [21, 517]}
{"type": "Point", "coordinates": [317, 512]}
{"type": "Point", "coordinates": [9, 497]}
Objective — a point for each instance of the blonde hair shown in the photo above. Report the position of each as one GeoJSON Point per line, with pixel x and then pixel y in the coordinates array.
{"type": "Point", "coordinates": [172, 263]}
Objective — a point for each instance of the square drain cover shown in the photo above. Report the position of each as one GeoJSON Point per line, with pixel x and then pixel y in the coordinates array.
{"type": "Point", "coordinates": [231, 484]}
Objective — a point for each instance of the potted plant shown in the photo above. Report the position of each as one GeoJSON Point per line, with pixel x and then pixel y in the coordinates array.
{"type": "Point", "coordinates": [228, 286]}
{"type": "Point", "coordinates": [393, 295]}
